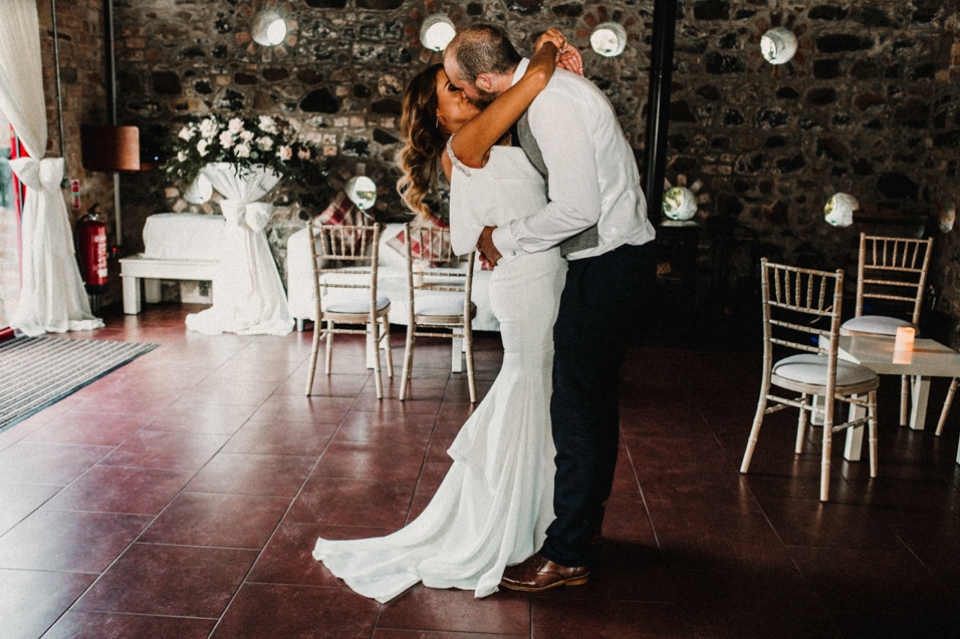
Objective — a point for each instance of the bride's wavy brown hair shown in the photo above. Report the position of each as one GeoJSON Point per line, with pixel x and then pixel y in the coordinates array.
{"type": "Point", "coordinates": [423, 141]}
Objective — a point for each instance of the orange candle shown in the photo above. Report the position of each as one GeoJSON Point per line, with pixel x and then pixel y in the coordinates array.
{"type": "Point", "coordinates": [905, 338]}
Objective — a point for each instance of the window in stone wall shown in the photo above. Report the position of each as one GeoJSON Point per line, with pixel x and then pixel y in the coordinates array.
{"type": "Point", "coordinates": [9, 232]}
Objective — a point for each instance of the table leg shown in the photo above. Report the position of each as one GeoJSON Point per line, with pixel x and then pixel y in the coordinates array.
{"type": "Point", "coordinates": [456, 361]}
{"type": "Point", "coordinates": [131, 295]}
{"type": "Point", "coordinates": [921, 393]}
{"type": "Point", "coordinates": [854, 440]}
{"type": "Point", "coordinates": [816, 418]}
{"type": "Point", "coordinates": [151, 290]}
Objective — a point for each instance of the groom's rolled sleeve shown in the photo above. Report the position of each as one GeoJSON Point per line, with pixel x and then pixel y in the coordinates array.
{"type": "Point", "coordinates": [562, 127]}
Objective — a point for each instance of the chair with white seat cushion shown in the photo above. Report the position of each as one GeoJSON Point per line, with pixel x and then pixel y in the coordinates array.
{"type": "Point", "coordinates": [890, 269]}
{"type": "Point", "coordinates": [439, 286]}
{"type": "Point", "coordinates": [345, 282]}
{"type": "Point", "coordinates": [804, 306]}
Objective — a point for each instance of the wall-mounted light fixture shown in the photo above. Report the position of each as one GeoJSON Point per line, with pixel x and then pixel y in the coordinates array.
{"type": "Point", "coordinates": [200, 191]}
{"type": "Point", "coordinates": [608, 39]}
{"type": "Point", "coordinates": [679, 203]}
{"type": "Point", "coordinates": [362, 191]}
{"type": "Point", "coordinates": [269, 28]}
{"type": "Point", "coordinates": [778, 45]}
{"type": "Point", "coordinates": [839, 209]}
{"type": "Point", "coordinates": [437, 31]}
{"type": "Point", "coordinates": [947, 217]}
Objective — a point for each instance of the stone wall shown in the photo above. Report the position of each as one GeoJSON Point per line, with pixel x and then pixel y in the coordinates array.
{"type": "Point", "coordinates": [866, 107]}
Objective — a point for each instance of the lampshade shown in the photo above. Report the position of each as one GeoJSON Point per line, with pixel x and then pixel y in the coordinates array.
{"type": "Point", "coordinates": [110, 148]}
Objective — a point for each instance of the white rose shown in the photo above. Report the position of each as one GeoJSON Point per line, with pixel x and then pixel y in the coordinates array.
{"type": "Point", "coordinates": [202, 147]}
{"type": "Point", "coordinates": [285, 153]}
{"type": "Point", "coordinates": [265, 143]}
{"type": "Point", "coordinates": [242, 151]}
{"type": "Point", "coordinates": [303, 154]}
{"type": "Point", "coordinates": [208, 128]}
{"type": "Point", "coordinates": [181, 156]}
{"type": "Point", "coordinates": [268, 124]}
{"type": "Point", "coordinates": [226, 139]}
{"type": "Point", "coordinates": [186, 133]}
{"type": "Point", "coordinates": [246, 136]}
{"type": "Point", "coordinates": [235, 126]}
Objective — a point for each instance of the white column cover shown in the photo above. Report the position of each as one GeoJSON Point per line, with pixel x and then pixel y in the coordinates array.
{"type": "Point", "coordinates": [248, 296]}
{"type": "Point", "coordinates": [52, 298]}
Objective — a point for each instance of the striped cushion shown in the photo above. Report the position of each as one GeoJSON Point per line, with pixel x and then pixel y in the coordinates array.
{"type": "Point", "coordinates": [812, 369]}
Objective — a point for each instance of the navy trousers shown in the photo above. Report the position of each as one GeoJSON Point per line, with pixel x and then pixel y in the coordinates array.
{"type": "Point", "coordinates": [601, 302]}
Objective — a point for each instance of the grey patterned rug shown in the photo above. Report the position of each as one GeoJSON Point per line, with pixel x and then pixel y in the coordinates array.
{"type": "Point", "coordinates": [35, 372]}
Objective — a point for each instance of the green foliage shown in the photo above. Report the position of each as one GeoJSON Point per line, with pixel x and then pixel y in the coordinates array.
{"type": "Point", "coordinates": [244, 143]}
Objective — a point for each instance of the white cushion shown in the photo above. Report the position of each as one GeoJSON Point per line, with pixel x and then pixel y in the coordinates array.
{"type": "Point", "coordinates": [439, 305]}
{"type": "Point", "coordinates": [875, 324]}
{"type": "Point", "coordinates": [183, 236]}
{"type": "Point", "coordinates": [812, 369]}
{"type": "Point", "coordinates": [358, 302]}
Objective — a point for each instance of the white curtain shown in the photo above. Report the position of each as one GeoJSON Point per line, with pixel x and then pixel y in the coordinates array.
{"type": "Point", "coordinates": [52, 298]}
{"type": "Point", "coordinates": [248, 296]}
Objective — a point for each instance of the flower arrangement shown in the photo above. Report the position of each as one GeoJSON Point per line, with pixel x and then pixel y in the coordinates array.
{"type": "Point", "coordinates": [243, 142]}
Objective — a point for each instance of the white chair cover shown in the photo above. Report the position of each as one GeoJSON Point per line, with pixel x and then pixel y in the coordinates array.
{"type": "Point", "coordinates": [248, 296]}
{"type": "Point", "coordinates": [52, 298]}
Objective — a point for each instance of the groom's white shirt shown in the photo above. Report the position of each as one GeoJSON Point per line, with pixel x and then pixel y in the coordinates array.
{"type": "Point", "coordinates": [592, 173]}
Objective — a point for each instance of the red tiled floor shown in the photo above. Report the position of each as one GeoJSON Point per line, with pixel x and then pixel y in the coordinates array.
{"type": "Point", "coordinates": [109, 489]}
{"type": "Point", "coordinates": [30, 601]}
{"type": "Point", "coordinates": [69, 541]}
{"type": "Point", "coordinates": [228, 521]}
{"type": "Point", "coordinates": [280, 612]}
{"type": "Point", "coordinates": [98, 625]}
{"type": "Point", "coordinates": [170, 580]}
{"type": "Point", "coordinates": [195, 496]}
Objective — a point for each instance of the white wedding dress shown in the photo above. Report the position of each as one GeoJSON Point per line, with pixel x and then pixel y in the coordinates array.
{"type": "Point", "coordinates": [495, 503]}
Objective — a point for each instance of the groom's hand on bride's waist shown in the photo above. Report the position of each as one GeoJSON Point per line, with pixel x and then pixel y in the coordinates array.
{"type": "Point", "coordinates": [486, 247]}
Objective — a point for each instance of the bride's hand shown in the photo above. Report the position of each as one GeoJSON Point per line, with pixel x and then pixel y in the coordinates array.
{"type": "Point", "coordinates": [568, 57]}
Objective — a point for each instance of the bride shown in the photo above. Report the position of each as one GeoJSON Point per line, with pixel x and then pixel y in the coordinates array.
{"type": "Point", "coordinates": [494, 505]}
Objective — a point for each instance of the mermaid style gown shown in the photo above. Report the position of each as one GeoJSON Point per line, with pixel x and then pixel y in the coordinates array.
{"type": "Point", "coordinates": [496, 501]}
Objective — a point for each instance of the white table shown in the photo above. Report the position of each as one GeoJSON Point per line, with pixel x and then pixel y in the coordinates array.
{"type": "Point", "coordinates": [928, 359]}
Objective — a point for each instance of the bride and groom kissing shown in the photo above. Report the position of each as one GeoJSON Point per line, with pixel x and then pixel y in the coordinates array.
{"type": "Point", "coordinates": [562, 219]}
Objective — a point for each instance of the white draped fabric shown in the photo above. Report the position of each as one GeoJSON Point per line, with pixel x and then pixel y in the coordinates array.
{"type": "Point", "coordinates": [248, 296]}
{"type": "Point", "coordinates": [52, 298]}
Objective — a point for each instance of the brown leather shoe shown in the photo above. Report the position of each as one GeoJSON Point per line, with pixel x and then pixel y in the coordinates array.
{"type": "Point", "coordinates": [538, 573]}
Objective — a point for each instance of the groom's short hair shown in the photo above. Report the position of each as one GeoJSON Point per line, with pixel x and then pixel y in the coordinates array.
{"type": "Point", "coordinates": [483, 48]}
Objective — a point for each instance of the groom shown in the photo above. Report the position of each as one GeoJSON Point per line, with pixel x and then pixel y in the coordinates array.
{"type": "Point", "coordinates": [597, 214]}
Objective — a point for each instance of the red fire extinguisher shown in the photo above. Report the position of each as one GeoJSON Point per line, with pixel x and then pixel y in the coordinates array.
{"type": "Point", "coordinates": [91, 238]}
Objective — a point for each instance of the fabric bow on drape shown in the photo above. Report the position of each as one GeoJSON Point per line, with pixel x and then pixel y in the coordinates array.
{"type": "Point", "coordinates": [52, 298]}
{"type": "Point", "coordinates": [248, 296]}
